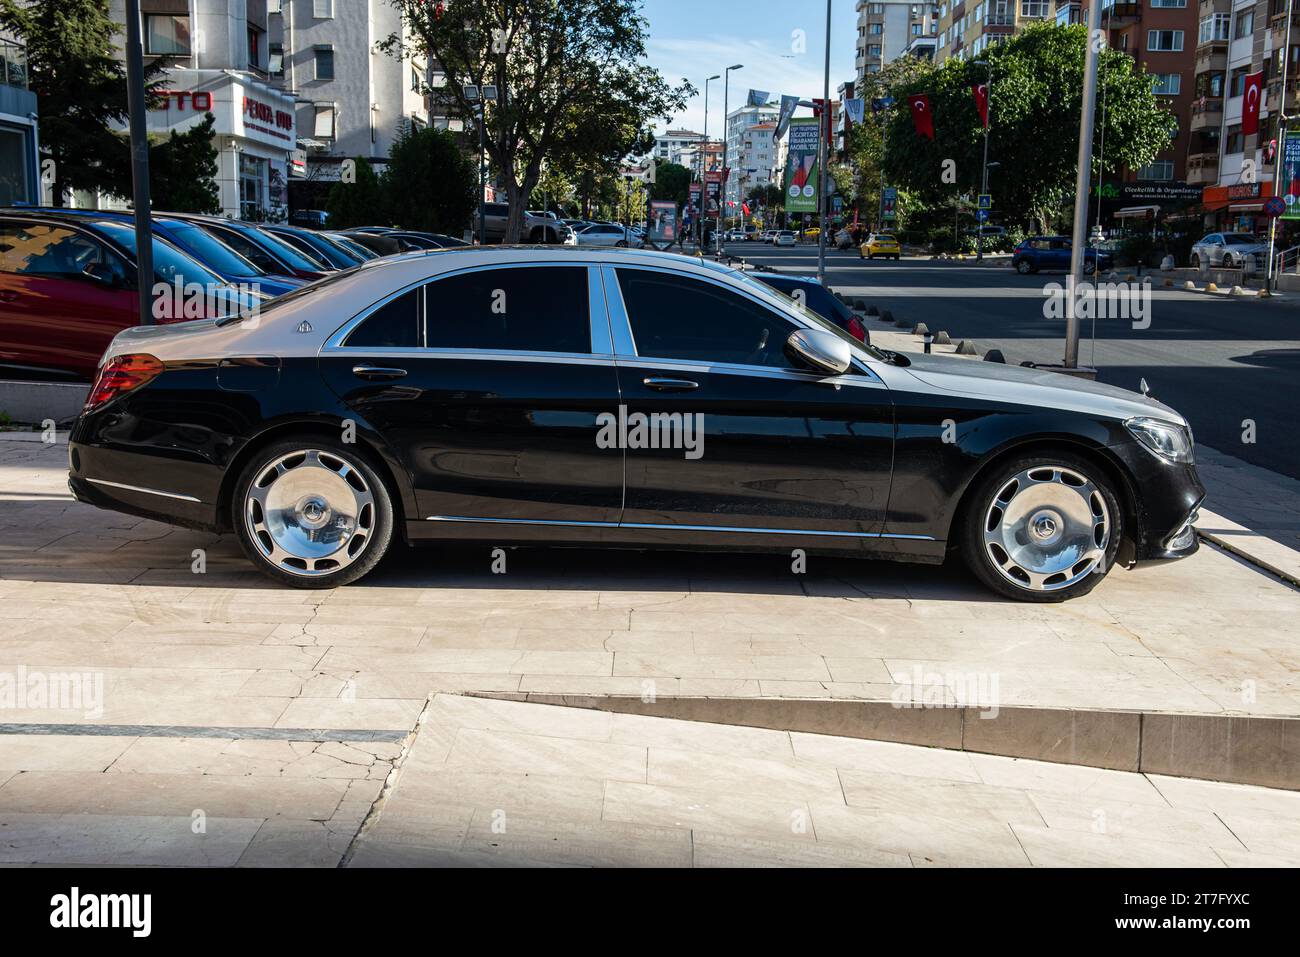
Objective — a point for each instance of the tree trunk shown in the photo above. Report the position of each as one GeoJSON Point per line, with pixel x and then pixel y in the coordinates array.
{"type": "Point", "coordinates": [514, 222]}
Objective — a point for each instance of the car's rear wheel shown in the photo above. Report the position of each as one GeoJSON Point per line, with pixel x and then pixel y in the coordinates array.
{"type": "Point", "coordinates": [1227, 261]}
{"type": "Point", "coordinates": [1042, 528]}
{"type": "Point", "coordinates": [312, 513]}
{"type": "Point", "coordinates": [1024, 267]}
{"type": "Point", "coordinates": [1196, 261]}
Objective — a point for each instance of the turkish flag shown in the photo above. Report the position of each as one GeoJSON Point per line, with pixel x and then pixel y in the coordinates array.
{"type": "Point", "coordinates": [745, 208]}
{"type": "Point", "coordinates": [921, 118]}
{"type": "Point", "coordinates": [981, 91]}
{"type": "Point", "coordinates": [1251, 95]}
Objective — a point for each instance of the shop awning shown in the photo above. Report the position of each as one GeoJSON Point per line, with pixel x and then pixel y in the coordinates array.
{"type": "Point", "coordinates": [1246, 207]}
{"type": "Point", "coordinates": [1137, 212]}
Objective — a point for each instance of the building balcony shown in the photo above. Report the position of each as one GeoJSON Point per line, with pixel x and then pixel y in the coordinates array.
{"type": "Point", "coordinates": [1212, 55]}
{"type": "Point", "coordinates": [13, 64]}
{"type": "Point", "coordinates": [1207, 113]}
{"type": "Point", "coordinates": [1277, 22]}
{"type": "Point", "coordinates": [1124, 14]}
{"type": "Point", "coordinates": [1202, 168]}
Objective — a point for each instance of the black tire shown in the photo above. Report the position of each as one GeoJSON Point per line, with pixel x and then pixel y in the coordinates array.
{"type": "Point", "coordinates": [1196, 261]}
{"type": "Point", "coordinates": [1025, 267]}
{"type": "Point", "coordinates": [1227, 261]}
{"type": "Point", "coordinates": [377, 524]}
{"type": "Point", "coordinates": [977, 513]}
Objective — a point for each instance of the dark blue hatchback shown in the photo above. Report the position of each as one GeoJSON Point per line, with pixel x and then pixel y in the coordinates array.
{"type": "Point", "coordinates": [1053, 252]}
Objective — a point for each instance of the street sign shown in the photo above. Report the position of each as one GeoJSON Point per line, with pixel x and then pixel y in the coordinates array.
{"type": "Point", "coordinates": [982, 215]}
{"type": "Point", "coordinates": [986, 201]}
{"type": "Point", "coordinates": [1275, 206]}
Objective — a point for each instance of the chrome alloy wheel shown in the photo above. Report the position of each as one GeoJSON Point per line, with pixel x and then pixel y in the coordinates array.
{"type": "Point", "coordinates": [310, 512]}
{"type": "Point", "coordinates": [1046, 528]}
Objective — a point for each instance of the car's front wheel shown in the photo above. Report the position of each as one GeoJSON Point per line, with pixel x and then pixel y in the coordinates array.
{"type": "Point", "coordinates": [1227, 261]}
{"type": "Point", "coordinates": [1196, 261]}
{"type": "Point", "coordinates": [1024, 267]}
{"type": "Point", "coordinates": [1042, 528]}
{"type": "Point", "coordinates": [312, 513]}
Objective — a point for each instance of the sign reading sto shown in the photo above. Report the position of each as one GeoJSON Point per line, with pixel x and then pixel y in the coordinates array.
{"type": "Point", "coordinates": [240, 107]}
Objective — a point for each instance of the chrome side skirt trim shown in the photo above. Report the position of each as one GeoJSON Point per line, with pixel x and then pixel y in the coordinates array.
{"type": "Point", "coordinates": [146, 491]}
{"type": "Point", "coordinates": [682, 528]}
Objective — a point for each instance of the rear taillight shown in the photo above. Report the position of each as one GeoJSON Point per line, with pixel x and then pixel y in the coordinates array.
{"type": "Point", "coordinates": [120, 375]}
{"type": "Point", "coordinates": [857, 330]}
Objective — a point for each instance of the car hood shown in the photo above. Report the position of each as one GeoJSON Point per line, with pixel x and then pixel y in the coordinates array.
{"type": "Point", "coordinates": [1035, 387]}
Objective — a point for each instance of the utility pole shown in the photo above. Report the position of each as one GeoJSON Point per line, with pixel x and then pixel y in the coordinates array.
{"type": "Point", "coordinates": [1279, 156]}
{"type": "Point", "coordinates": [823, 177]}
{"type": "Point", "coordinates": [139, 163]}
{"type": "Point", "coordinates": [1081, 185]}
{"type": "Point", "coordinates": [984, 175]}
{"type": "Point", "coordinates": [704, 189]}
{"type": "Point", "coordinates": [726, 132]}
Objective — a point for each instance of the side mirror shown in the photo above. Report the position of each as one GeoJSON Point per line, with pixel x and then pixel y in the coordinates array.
{"type": "Point", "coordinates": [102, 274]}
{"type": "Point", "coordinates": [823, 351]}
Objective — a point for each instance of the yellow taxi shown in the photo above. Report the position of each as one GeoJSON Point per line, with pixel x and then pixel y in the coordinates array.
{"type": "Point", "coordinates": [812, 232]}
{"type": "Point", "coordinates": [881, 244]}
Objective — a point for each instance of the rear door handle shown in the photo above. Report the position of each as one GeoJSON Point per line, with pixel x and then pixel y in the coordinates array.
{"type": "Point", "coordinates": [7, 295]}
{"type": "Point", "coordinates": [377, 372]}
{"type": "Point", "coordinates": [670, 385]}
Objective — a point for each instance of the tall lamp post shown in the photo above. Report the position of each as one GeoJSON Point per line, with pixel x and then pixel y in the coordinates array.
{"type": "Point", "coordinates": [704, 165]}
{"type": "Point", "coordinates": [726, 134]}
{"type": "Point", "coordinates": [984, 175]}
{"type": "Point", "coordinates": [480, 99]}
{"type": "Point", "coordinates": [1279, 156]}
{"type": "Point", "coordinates": [1081, 186]}
{"type": "Point", "coordinates": [823, 177]}
{"type": "Point", "coordinates": [139, 162]}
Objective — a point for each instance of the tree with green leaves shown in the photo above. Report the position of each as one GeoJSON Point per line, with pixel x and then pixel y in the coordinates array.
{"type": "Point", "coordinates": [183, 170]}
{"type": "Point", "coordinates": [672, 181]}
{"type": "Point", "coordinates": [81, 89]}
{"type": "Point", "coordinates": [569, 74]}
{"type": "Point", "coordinates": [1035, 103]}
{"type": "Point", "coordinates": [358, 198]}
{"type": "Point", "coordinates": [430, 184]}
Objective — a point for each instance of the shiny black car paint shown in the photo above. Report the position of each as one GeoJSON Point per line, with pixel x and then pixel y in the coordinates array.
{"type": "Point", "coordinates": [512, 443]}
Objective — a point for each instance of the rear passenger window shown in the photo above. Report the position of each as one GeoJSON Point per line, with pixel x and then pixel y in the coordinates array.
{"type": "Point", "coordinates": [522, 308]}
{"type": "Point", "coordinates": [394, 325]}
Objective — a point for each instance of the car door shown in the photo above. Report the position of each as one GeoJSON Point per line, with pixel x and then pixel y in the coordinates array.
{"type": "Point", "coordinates": [486, 384]}
{"type": "Point", "coordinates": [63, 296]}
{"type": "Point", "coordinates": [745, 440]}
{"type": "Point", "coordinates": [1214, 249]}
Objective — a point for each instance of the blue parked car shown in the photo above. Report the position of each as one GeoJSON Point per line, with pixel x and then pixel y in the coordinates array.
{"type": "Point", "coordinates": [807, 291]}
{"type": "Point", "coordinates": [1053, 252]}
{"type": "Point", "coordinates": [204, 248]}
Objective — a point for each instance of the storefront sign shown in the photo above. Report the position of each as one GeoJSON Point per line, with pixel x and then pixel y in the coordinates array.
{"type": "Point", "coordinates": [198, 100]}
{"type": "Point", "coordinates": [1243, 191]}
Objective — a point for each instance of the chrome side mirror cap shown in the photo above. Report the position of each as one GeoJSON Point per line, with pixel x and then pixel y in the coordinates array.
{"type": "Point", "coordinates": [824, 351]}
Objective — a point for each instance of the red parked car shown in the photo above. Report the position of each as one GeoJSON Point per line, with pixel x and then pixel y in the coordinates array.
{"type": "Point", "coordinates": [68, 286]}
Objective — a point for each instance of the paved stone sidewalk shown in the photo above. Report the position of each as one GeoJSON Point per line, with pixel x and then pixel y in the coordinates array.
{"type": "Point", "coordinates": [94, 592]}
{"type": "Point", "coordinates": [492, 783]}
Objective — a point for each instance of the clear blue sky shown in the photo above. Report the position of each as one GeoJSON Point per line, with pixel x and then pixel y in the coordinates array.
{"type": "Point", "coordinates": [694, 39]}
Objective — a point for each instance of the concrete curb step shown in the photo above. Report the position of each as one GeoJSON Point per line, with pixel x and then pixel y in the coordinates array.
{"type": "Point", "coordinates": [1242, 749]}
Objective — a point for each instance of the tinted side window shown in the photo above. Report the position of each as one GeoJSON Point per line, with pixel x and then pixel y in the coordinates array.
{"type": "Point", "coordinates": [676, 317]}
{"type": "Point", "coordinates": [249, 250]}
{"type": "Point", "coordinates": [532, 308]}
{"type": "Point", "coordinates": [393, 325]}
{"type": "Point", "coordinates": [36, 250]}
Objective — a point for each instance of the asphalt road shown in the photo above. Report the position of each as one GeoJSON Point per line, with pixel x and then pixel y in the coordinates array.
{"type": "Point", "coordinates": [1221, 362]}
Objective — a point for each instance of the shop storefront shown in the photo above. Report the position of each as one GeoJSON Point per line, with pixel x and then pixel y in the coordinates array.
{"type": "Point", "coordinates": [18, 141]}
{"type": "Point", "coordinates": [253, 132]}
{"type": "Point", "coordinates": [1238, 208]}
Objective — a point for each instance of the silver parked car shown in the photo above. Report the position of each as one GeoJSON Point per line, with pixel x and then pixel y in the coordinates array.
{"type": "Point", "coordinates": [1229, 250]}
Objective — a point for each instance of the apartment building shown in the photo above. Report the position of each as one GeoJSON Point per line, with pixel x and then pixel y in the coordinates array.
{"type": "Point", "coordinates": [888, 29]}
{"type": "Point", "coordinates": [670, 147]}
{"type": "Point", "coordinates": [1235, 39]}
{"type": "Point", "coordinates": [751, 150]}
{"type": "Point", "coordinates": [19, 151]}
{"type": "Point", "coordinates": [351, 97]}
{"type": "Point", "coordinates": [967, 29]}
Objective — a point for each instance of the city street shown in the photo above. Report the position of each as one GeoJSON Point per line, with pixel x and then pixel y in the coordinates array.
{"type": "Point", "coordinates": [1216, 359]}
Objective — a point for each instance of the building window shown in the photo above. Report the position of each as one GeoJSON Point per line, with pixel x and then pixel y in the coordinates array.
{"type": "Point", "coordinates": [1166, 84]}
{"type": "Point", "coordinates": [253, 181]}
{"type": "Point", "coordinates": [322, 9]}
{"type": "Point", "coordinates": [1234, 141]}
{"type": "Point", "coordinates": [1237, 82]}
{"type": "Point", "coordinates": [324, 126]}
{"type": "Point", "coordinates": [166, 36]}
{"type": "Point", "coordinates": [1215, 27]}
{"type": "Point", "coordinates": [874, 49]}
{"type": "Point", "coordinates": [1245, 24]}
{"type": "Point", "coordinates": [1173, 4]}
{"type": "Point", "coordinates": [1165, 41]}
{"type": "Point", "coordinates": [275, 60]}
{"type": "Point", "coordinates": [875, 29]}
{"type": "Point", "coordinates": [1162, 170]}
{"type": "Point", "coordinates": [324, 62]}
{"type": "Point", "coordinates": [1033, 8]}
{"type": "Point", "coordinates": [254, 48]}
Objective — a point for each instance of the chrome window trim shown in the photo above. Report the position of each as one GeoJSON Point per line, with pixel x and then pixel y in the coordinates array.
{"type": "Point", "coordinates": [683, 528]}
{"type": "Point", "coordinates": [625, 342]}
{"type": "Point", "coordinates": [147, 491]}
{"type": "Point", "coordinates": [336, 343]}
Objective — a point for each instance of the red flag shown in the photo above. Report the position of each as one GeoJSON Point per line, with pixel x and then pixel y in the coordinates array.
{"type": "Point", "coordinates": [921, 118]}
{"type": "Point", "coordinates": [981, 91]}
{"type": "Point", "coordinates": [1251, 95]}
{"type": "Point", "coordinates": [745, 208]}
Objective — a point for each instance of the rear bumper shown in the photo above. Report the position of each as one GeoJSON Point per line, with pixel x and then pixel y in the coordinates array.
{"type": "Point", "coordinates": [147, 485]}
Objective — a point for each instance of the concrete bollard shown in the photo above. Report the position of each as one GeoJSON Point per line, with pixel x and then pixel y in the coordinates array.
{"type": "Point", "coordinates": [1236, 291]}
{"type": "Point", "coordinates": [942, 338]}
{"type": "Point", "coordinates": [920, 329]}
{"type": "Point", "coordinates": [995, 355]}
{"type": "Point", "coordinates": [886, 316]}
{"type": "Point", "coordinates": [872, 311]}
{"type": "Point", "coordinates": [966, 348]}
{"type": "Point", "coordinates": [1189, 285]}
{"type": "Point", "coordinates": [1167, 264]}
{"type": "Point", "coordinates": [1211, 287]}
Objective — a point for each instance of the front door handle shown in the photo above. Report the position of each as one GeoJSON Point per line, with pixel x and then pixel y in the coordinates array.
{"type": "Point", "coordinates": [7, 295]}
{"type": "Point", "coordinates": [377, 372]}
{"type": "Point", "coordinates": [670, 385]}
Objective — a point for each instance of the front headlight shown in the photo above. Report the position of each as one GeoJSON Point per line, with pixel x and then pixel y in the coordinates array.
{"type": "Point", "coordinates": [1165, 439]}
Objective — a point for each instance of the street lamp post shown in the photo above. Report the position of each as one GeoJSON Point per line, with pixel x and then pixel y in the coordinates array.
{"type": "Point", "coordinates": [823, 177]}
{"type": "Point", "coordinates": [1279, 157]}
{"type": "Point", "coordinates": [704, 190]}
{"type": "Point", "coordinates": [726, 133]}
{"type": "Point", "coordinates": [984, 175]}
{"type": "Point", "coordinates": [139, 162]}
{"type": "Point", "coordinates": [1081, 186]}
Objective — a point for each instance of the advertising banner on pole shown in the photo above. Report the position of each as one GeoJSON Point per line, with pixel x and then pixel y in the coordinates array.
{"type": "Point", "coordinates": [712, 192]}
{"type": "Point", "coordinates": [889, 203]}
{"type": "Point", "coordinates": [1291, 175]}
{"type": "Point", "coordinates": [664, 226]}
{"type": "Point", "coordinates": [801, 173]}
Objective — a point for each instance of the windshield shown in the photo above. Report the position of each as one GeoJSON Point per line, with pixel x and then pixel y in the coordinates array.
{"type": "Point", "coordinates": [282, 250]}
{"type": "Point", "coordinates": [1238, 238]}
{"type": "Point", "coordinates": [818, 321]}
{"type": "Point", "coordinates": [169, 263]}
{"type": "Point", "coordinates": [211, 250]}
{"type": "Point", "coordinates": [354, 247]}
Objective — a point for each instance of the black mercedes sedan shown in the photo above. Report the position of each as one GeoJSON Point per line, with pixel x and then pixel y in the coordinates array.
{"type": "Point", "coordinates": [552, 395]}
